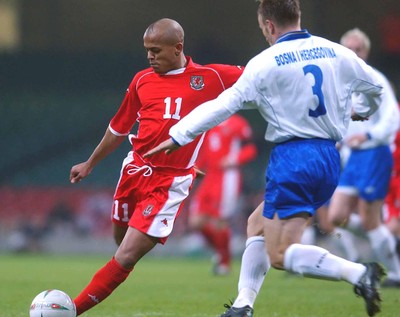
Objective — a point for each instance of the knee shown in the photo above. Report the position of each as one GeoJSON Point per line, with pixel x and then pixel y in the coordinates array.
{"type": "Point", "coordinates": [277, 259]}
{"type": "Point", "coordinates": [277, 263]}
{"type": "Point", "coordinates": [125, 260]}
{"type": "Point", "coordinates": [196, 223]}
{"type": "Point", "coordinates": [326, 226]}
{"type": "Point", "coordinates": [119, 234]}
{"type": "Point", "coordinates": [117, 240]}
{"type": "Point", "coordinates": [255, 225]}
{"type": "Point", "coordinates": [335, 220]}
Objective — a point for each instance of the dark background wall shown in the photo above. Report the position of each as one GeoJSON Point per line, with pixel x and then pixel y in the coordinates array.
{"type": "Point", "coordinates": [91, 38]}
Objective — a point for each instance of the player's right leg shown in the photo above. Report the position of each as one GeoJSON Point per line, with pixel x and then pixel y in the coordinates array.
{"type": "Point", "coordinates": [255, 264]}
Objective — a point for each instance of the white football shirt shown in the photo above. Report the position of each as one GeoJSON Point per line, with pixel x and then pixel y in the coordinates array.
{"type": "Point", "coordinates": [383, 125]}
{"type": "Point", "coordinates": [302, 87]}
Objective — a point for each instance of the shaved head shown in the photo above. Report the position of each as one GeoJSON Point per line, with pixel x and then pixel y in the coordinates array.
{"type": "Point", "coordinates": [163, 41]}
{"type": "Point", "coordinates": [166, 30]}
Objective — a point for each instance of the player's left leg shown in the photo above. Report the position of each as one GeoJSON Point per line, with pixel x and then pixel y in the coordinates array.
{"type": "Point", "coordinates": [287, 253]}
{"type": "Point", "coordinates": [133, 247]}
{"type": "Point", "coordinates": [373, 191]}
{"type": "Point", "coordinates": [216, 233]}
{"type": "Point", "coordinates": [152, 223]}
{"type": "Point", "coordinates": [119, 233]}
{"type": "Point", "coordinates": [222, 243]}
{"type": "Point", "coordinates": [254, 267]}
{"type": "Point", "coordinates": [342, 239]}
{"type": "Point", "coordinates": [382, 241]}
{"type": "Point", "coordinates": [204, 217]}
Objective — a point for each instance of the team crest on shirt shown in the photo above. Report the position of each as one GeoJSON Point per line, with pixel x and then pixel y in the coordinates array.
{"type": "Point", "coordinates": [197, 82]}
{"type": "Point", "coordinates": [165, 222]}
{"type": "Point", "coordinates": [147, 211]}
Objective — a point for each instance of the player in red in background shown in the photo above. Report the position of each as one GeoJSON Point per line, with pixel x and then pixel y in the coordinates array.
{"type": "Point", "coordinates": [226, 148]}
{"type": "Point", "coordinates": [392, 200]}
{"type": "Point", "coordinates": [150, 192]}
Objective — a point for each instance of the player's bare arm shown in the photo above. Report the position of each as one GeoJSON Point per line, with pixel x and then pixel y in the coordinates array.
{"type": "Point", "coordinates": [199, 172]}
{"type": "Point", "coordinates": [107, 145]}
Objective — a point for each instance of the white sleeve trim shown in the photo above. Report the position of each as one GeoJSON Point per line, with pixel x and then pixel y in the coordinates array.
{"type": "Point", "coordinates": [115, 132]}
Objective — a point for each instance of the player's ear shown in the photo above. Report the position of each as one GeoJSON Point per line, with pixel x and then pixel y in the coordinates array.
{"type": "Point", "coordinates": [178, 48]}
{"type": "Point", "coordinates": [271, 26]}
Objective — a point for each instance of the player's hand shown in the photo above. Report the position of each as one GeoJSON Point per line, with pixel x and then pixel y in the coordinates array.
{"type": "Point", "coordinates": [356, 117]}
{"type": "Point", "coordinates": [199, 172]}
{"type": "Point", "coordinates": [228, 162]}
{"type": "Point", "coordinates": [167, 146]}
{"type": "Point", "coordinates": [356, 140]}
{"type": "Point", "coordinates": [78, 172]}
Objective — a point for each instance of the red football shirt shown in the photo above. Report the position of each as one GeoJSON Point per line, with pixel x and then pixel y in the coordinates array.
{"type": "Point", "coordinates": [230, 140]}
{"type": "Point", "coordinates": [157, 102]}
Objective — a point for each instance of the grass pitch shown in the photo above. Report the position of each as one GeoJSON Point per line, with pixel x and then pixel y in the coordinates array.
{"type": "Point", "coordinates": [176, 287]}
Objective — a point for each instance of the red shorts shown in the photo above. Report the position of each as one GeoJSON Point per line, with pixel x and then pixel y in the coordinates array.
{"type": "Point", "coordinates": [217, 195]}
{"type": "Point", "coordinates": [150, 198]}
{"type": "Point", "coordinates": [392, 200]}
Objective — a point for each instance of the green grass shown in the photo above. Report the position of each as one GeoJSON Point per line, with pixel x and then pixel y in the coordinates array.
{"type": "Point", "coordinates": [176, 287]}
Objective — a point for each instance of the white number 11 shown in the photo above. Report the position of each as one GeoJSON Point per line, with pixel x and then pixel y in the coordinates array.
{"type": "Point", "coordinates": [167, 114]}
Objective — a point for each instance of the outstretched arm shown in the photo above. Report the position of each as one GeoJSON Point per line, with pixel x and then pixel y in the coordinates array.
{"type": "Point", "coordinates": [167, 146]}
{"type": "Point", "coordinates": [108, 144]}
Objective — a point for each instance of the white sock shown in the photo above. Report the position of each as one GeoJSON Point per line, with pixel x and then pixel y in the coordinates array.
{"type": "Point", "coordinates": [313, 261]}
{"type": "Point", "coordinates": [354, 224]}
{"type": "Point", "coordinates": [255, 265]}
{"type": "Point", "coordinates": [345, 241]}
{"type": "Point", "coordinates": [308, 236]}
{"type": "Point", "coordinates": [383, 244]}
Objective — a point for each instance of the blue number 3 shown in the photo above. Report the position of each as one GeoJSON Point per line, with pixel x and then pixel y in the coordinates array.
{"type": "Point", "coordinates": [317, 73]}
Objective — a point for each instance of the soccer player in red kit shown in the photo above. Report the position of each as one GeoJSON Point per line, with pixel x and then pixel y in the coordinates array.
{"type": "Point", "coordinates": [150, 192]}
{"type": "Point", "coordinates": [226, 148]}
{"type": "Point", "coordinates": [392, 203]}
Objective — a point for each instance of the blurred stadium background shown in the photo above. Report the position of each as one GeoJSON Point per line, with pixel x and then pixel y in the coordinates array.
{"type": "Point", "coordinates": [64, 68]}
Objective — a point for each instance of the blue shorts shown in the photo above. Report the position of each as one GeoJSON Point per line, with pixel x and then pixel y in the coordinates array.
{"type": "Point", "coordinates": [368, 172]}
{"type": "Point", "coordinates": [301, 176]}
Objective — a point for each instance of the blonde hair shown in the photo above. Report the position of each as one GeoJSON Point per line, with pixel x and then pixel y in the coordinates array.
{"type": "Point", "coordinates": [356, 32]}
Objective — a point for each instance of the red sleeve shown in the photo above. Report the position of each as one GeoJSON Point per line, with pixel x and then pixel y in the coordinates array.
{"type": "Point", "coordinates": [229, 74]}
{"type": "Point", "coordinates": [248, 151]}
{"type": "Point", "coordinates": [126, 116]}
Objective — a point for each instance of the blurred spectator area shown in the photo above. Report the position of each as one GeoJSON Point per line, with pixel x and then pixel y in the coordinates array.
{"type": "Point", "coordinates": [47, 207]}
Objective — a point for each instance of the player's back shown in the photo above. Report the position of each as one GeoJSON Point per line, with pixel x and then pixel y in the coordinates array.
{"type": "Point", "coordinates": [304, 84]}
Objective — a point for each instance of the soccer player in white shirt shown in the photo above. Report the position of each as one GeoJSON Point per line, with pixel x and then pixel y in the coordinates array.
{"type": "Point", "coordinates": [365, 179]}
{"type": "Point", "coordinates": [302, 86]}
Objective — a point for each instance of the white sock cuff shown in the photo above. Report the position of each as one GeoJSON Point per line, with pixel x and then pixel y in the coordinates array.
{"type": "Point", "coordinates": [288, 256]}
{"type": "Point", "coordinates": [381, 234]}
{"type": "Point", "coordinates": [254, 239]}
{"type": "Point", "coordinates": [378, 232]}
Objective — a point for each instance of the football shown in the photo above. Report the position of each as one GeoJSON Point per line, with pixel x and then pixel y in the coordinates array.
{"type": "Point", "coordinates": [52, 303]}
